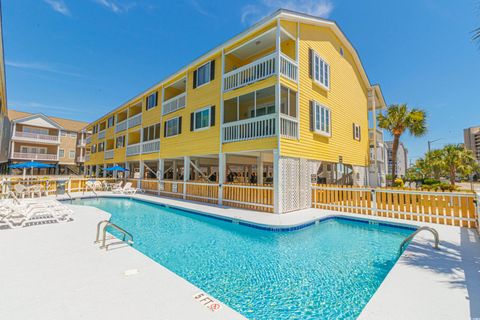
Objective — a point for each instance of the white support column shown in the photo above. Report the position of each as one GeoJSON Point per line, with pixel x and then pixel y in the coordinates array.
{"type": "Point", "coordinates": [276, 182]}
{"type": "Point", "coordinates": [104, 173]}
{"type": "Point", "coordinates": [161, 169]}
{"type": "Point", "coordinates": [260, 169]}
{"type": "Point", "coordinates": [97, 170]}
{"type": "Point", "coordinates": [174, 168]}
{"type": "Point", "coordinates": [142, 173]}
{"type": "Point", "coordinates": [127, 173]}
{"type": "Point", "coordinates": [221, 176]}
{"type": "Point", "coordinates": [186, 174]}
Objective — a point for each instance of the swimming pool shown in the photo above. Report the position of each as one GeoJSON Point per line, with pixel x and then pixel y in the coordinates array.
{"type": "Point", "coordinates": [329, 270]}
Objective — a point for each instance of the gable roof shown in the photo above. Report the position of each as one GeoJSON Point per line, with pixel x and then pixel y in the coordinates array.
{"type": "Point", "coordinates": [279, 14]}
{"type": "Point", "coordinates": [66, 124]}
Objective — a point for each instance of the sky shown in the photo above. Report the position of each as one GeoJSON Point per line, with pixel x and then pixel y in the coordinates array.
{"type": "Point", "coordinates": [82, 58]}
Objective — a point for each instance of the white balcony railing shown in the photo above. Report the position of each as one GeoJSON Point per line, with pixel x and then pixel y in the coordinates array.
{"type": "Point", "coordinates": [121, 126]}
{"type": "Point", "coordinates": [88, 140]}
{"type": "Point", "coordinates": [174, 104]}
{"type": "Point", "coordinates": [151, 146]}
{"type": "Point", "coordinates": [87, 157]}
{"type": "Point", "coordinates": [108, 154]}
{"type": "Point", "coordinates": [101, 134]}
{"type": "Point", "coordinates": [371, 131]}
{"type": "Point", "coordinates": [288, 67]}
{"type": "Point", "coordinates": [35, 156]}
{"type": "Point", "coordinates": [252, 72]}
{"type": "Point", "coordinates": [135, 120]}
{"type": "Point", "coordinates": [81, 159]}
{"type": "Point", "coordinates": [133, 149]}
{"type": "Point", "coordinates": [36, 137]}
{"type": "Point", "coordinates": [81, 143]}
{"type": "Point", "coordinates": [288, 127]}
{"type": "Point", "coordinates": [249, 129]}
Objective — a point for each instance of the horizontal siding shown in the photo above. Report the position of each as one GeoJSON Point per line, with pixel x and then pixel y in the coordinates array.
{"type": "Point", "coordinates": [347, 100]}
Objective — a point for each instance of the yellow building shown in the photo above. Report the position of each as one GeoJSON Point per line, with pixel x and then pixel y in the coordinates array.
{"type": "Point", "coordinates": [286, 102]}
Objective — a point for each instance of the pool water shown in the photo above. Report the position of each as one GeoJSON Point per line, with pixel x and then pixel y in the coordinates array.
{"type": "Point", "coordinates": [326, 271]}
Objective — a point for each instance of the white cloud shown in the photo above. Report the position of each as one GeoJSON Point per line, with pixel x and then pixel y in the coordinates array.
{"type": "Point", "coordinates": [35, 107]}
{"type": "Point", "coordinates": [42, 67]}
{"type": "Point", "coordinates": [116, 6]}
{"type": "Point", "coordinates": [200, 9]}
{"type": "Point", "coordinates": [254, 12]}
{"type": "Point", "coordinates": [59, 6]}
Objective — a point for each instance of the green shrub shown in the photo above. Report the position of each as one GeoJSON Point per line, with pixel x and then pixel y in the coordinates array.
{"type": "Point", "coordinates": [430, 181]}
{"type": "Point", "coordinates": [398, 183]}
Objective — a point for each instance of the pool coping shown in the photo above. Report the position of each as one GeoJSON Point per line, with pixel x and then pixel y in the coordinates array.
{"type": "Point", "coordinates": [408, 281]}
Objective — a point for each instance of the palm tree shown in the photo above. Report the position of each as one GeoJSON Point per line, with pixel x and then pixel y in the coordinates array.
{"type": "Point", "coordinates": [433, 160]}
{"type": "Point", "coordinates": [398, 119]}
{"type": "Point", "coordinates": [457, 159]}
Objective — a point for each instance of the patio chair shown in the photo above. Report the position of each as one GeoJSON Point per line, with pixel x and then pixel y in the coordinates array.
{"type": "Point", "coordinates": [19, 190]}
{"type": "Point", "coordinates": [128, 189]}
{"type": "Point", "coordinates": [17, 216]}
{"type": "Point", "coordinates": [36, 190]}
{"type": "Point", "coordinates": [117, 188]}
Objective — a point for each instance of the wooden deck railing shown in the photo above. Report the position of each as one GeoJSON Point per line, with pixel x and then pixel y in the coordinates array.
{"type": "Point", "coordinates": [449, 208]}
{"type": "Point", "coordinates": [249, 196]}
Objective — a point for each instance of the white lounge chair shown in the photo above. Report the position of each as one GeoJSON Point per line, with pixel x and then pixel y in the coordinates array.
{"type": "Point", "coordinates": [128, 189]}
{"type": "Point", "coordinates": [19, 190]}
{"type": "Point", "coordinates": [17, 216]}
{"type": "Point", "coordinates": [117, 188]}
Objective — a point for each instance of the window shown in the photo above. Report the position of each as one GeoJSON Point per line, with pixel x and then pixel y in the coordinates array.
{"type": "Point", "coordinates": [73, 134]}
{"type": "Point", "coordinates": [152, 101]}
{"type": "Point", "coordinates": [202, 118]}
{"type": "Point", "coordinates": [341, 51]}
{"type": "Point", "coordinates": [94, 148]}
{"type": "Point", "coordinates": [61, 153]}
{"type": "Point", "coordinates": [356, 132]}
{"type": "Point", "coordinates": [111, 121]}
{"type": "Point", "coordinates": [320, 119]}
{"type": "Point", "coordinates": [151, 132]}
{"type": "Point", "coordinates": [36, 150]}
{"type": "Point", "coordinates": [320, 70]}
{"type": "Point", "coordinates": [71, 154]}
{"type": "Point", "coordinates": [101, 146]}
{"type": "Point", "coordinates": [95, 129]}
{"type": "Point", "coordinates": [120, 143]}
{"type": "Point", "coordinates": [63, 133]}
{"type": "Point", "coordinates": [204, 74]}
{"type": "Point", "coordinates": [288, 102]}
{"type": "Point", "coordinates": [173, 127]}
{"type": "Point", "coordinates": [255, 104]}
{"type": "Point", "coordinates": [35, 130]}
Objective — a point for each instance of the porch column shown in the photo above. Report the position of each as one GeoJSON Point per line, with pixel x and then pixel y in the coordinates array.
{"type": "Point", "coordinates": [174, 168]}
{"type": "Point", "coordinates": [127, 173]}
{"type": "Point", "coordinates": [221, 176]}
{"type": "Point", "coordinates": [276, 182]}
{"type": "Point", "coordinates": [115, 173]}
{"type": "Point", "coordinates": [141, 173]}
{"type": "Point", "coordinates": [97, 170]}
{"type": "Point", "coordinates": [161, 169]}
{"type": "Point", "coordinates": [104, 173]}
{"type": "Point", "coordinates": [260, 170]}
{"type": "Point", "coordinates": [186, 174]}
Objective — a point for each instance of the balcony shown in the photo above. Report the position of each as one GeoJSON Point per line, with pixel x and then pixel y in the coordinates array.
{"type": "Point", "coordinates": [108, 154]}
{"type": "Point", "coordinates": [81, 143]}
{"type": "Point", "coordinates": [87, 157]}
{"type": "Point", "coordinates": [174, 104]}
{"type": "Point", "coordinates": [288, 127]}
{"type": "Point", "coordinates": [36, 137]}
{"type": "Point", "coordinates": [133, 149]}
{"type": "Point", "coordinates": [135, 120]}
{"type": "Point", "coordinates": [88, 140]}
{"type": "Point", "coordinates": [121, 126]}
{"type": "Point", "coordinates": [35, 156]}
{"type": "Point", "coordinates": [371, 131]}
{"type": "Point", "coordinates": [249, 129]}
{"type": "Point", "coordinates": [151, 146]}
{"type": "Point", "coordinates": [81, 159]}
{"type": "Point", "coordinates": [101, 134]}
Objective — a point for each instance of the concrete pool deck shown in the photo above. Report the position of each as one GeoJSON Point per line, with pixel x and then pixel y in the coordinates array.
{"type": "Point", "coordinates": [55, 272]}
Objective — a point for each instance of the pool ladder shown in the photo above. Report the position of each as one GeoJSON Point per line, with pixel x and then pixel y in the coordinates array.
{"type": "Point", "coordinates": [410, 237]}
{"type": "Point", "coordinates": [102, 226]}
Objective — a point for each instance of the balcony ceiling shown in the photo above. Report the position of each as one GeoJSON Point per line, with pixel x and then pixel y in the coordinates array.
{"type": "Point", "coordinates": [258, 44]}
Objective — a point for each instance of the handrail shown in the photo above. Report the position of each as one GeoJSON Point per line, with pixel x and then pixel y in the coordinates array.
{"type": "Point", "coordinates": [410, 237]}
{"type": "Point", "coordinates": [107, 223]}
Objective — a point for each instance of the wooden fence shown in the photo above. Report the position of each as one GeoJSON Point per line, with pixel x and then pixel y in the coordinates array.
{"type": "Point", "coordinates": [450, 208]}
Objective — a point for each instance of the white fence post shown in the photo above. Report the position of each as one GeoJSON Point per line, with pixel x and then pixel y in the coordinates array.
{"type": "Point", "coordinates": [374, 202]}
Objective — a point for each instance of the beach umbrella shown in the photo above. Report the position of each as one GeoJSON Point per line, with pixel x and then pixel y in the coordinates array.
{"type": "Point", "coordinates": [31, 165]}
{"type": "Point", "coordinates": [116, 168]}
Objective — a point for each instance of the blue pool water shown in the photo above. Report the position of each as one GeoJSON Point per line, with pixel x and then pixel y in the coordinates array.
{"type": "Point", "coordinates": [326, 271]}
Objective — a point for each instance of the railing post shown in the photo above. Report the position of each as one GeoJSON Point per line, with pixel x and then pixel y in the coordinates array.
{"type": "Point", "coordinates": [374, 202]}
{"type": "Point", "coordinates": [186, 174]}
{"type": "Point", "coordinates": [477, 207]}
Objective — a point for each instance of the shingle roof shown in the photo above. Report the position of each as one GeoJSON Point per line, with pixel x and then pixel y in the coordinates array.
{"type": "Point", "coordinates": [67, 124]}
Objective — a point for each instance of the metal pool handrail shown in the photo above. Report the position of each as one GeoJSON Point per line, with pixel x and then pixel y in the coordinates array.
{"type": "Point", "coordinates": [410, 237]}
{"type": "Point", "coordinates": [107, 223]}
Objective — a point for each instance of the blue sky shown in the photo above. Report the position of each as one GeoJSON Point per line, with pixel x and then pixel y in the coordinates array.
{"type": "Point", "coordinates": [82, 58]}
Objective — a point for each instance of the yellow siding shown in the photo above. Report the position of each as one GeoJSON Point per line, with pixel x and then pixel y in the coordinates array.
{"type": "Point", "coordinates": [347, 100]}
{"type": "Point", "coordinates": [251, 145]}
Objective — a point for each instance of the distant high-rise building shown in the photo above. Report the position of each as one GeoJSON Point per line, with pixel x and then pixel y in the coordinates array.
{"type": "Point", "coordinates": [472, 140]}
